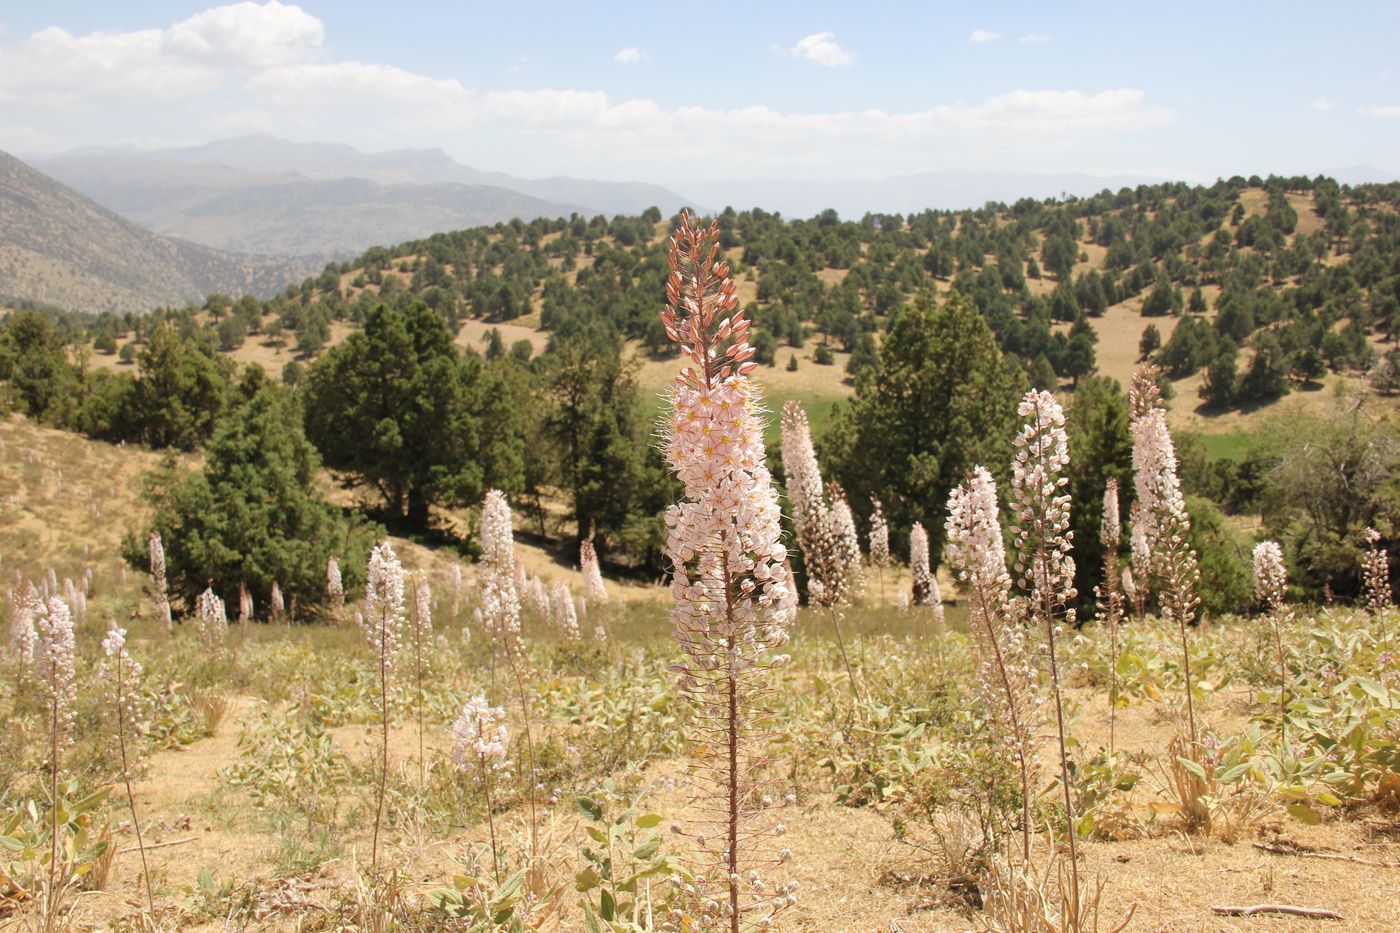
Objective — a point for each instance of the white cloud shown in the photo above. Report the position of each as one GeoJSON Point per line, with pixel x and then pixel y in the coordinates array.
{"type": "Point", "coordinates": [1034, 38]}
{"type": "Point", "coordinates": [821, 48]}
{"type": "Point", "coordinates": [632, 56]}
{"type": "Point", "coordinates": [246, 36]}
{"type": "Point", "coordinates": [983, 35]}
{"type": "Point", "coordinates": [262, 68]}
{"type": "Point", "coordinates": [1322, 103]}
{"type": "Point", "coordinates": [192, 57]}
{"type": "Point", "coordinates": [1390, 111]}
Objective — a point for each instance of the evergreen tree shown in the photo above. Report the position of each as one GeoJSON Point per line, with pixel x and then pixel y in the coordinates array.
{"type": "Point", "coordinates": [398, 407]}
{"type": "Point", "coordinates": [941, 401]}
{"type": "Point", "coordinates": [254, 515]}
{"type": "Point", "coordinates": [1099, 447]}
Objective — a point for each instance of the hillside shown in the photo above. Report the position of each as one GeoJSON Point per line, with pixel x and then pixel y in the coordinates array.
{"type": "Point", "coordinates": [59, 248]}
{"type": "Point", "coordinates": [264, 195]}
{"type": "Point", "coordinates": [1288, 284]}
{"type": "Point", "coordinates": [287, 214]}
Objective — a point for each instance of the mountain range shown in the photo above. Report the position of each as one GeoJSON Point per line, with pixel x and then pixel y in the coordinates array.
{"type": "Point", "coordinates": [58, 247]}
{"type": "Point", "coordinates": [259, 194]}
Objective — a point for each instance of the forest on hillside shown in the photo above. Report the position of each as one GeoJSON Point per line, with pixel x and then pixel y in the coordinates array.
{"type": "Point", "coordinates": [946, 316]}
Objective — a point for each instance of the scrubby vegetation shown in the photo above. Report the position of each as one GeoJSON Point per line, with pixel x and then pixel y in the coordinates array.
{"type": "Point", "coordinates": [593, 780]}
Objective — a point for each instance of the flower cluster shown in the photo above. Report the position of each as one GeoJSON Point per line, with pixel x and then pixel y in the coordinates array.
{"type": "Point", "coordinates": [480, 738]}
{"type": "Point", "coordinates": [594, 591]}
{"type": "Point", "coordinates": [278, 606]}
{"type": "Point", "coordinates": [500, 595]}
{"type": "Point", "coordinates": [384, 604]}
{"type": "Point", "coordinates": [537, 597]}
{"type": "Point", "coordinates": [845, 542]}
{"type": "Point", "coordinates": [807, 504]}
{"type": "Point", "coordinates": [211, 619]}
{"type": "Point", "coordinates": [1110, 525]}
{"type": "Point", "coordinates": [122, 674]}
{"type": "Point", "coordinates": [53, 663]}
{"type": "Point", "coordinates": [335, 588]}
{"type": "Point", "coordinates": [1375, 572]}
{"type": "Point", "coordinates": [919, 564]}
{"type": "Point", "coordinates": [422, 608]}
{"type": "Point", "coordinates": [1165, 523]}
{"type": "Point", "coordinates": [724, 539]}
{"type": "Point", "coordinates": [23, 638]}
{"type": "Point", "coordinates": [162, 600]}
{"type": "Point", "coordinates": [729, 584]}
{"type": "Point", "coordinates": [245, 605]}
{"type": "Point", "coordinates": [1270, 575]}
{"type": "Point", "coordinates": [1007, 680]}
{"type": "Point", "coordinates": [879, 535]}
{"type": "Point", "coordinates": [565, 617]}
{"type": "Point", "coordinates": [1040, 506]}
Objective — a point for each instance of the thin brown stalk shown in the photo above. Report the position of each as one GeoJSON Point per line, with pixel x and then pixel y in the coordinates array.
{"type": "Point", "coordinates": [126, 779]}
{"type": "Point", "coordinates": [515, 666]}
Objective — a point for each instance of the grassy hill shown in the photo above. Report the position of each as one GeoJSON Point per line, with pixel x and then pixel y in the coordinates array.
{"type": "Point", "coordinates": [59, 248]}
{"type": "Point", "coordinates": [1291, 265]}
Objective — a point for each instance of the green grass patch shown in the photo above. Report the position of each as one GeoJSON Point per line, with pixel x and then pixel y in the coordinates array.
{"type": "Point", "coordinates": [1232, 446]}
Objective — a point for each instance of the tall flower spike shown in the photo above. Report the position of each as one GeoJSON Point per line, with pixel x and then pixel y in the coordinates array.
{"type": "Point", "coordinates": [879, 535]}
{"type": "Point", "coordinates": [846, 575]}
{"type": "Point", "coordinates": [565, 617]}
{"type": "Point", "coordinates": [805, 500]}
{"type": "Point", "coordinates": [384, 603]}
{"type": "Point", "coordinates": [1270, 575]}
{"type": "Point", "coordinates": [1110, 597]}
{"type": "Point", "coordinates": [594, 590]}
{"type": "Point", "coordinates": [211, 620]}
{"type": "Point", "coordinates": [728, 582]}
{"type": "Point", "coordinates": [335, 588]}
{"type": "Point", "coordinates": [1166, 524]}
{"type": "Point", "coordinates": [924, 582]}
{"type": "Point", "coordinates": [383, 627]}
{"type": "Point", "coordinates": [1040, 508]}
{"type": "Point", "coordinates": [500, 598]}
{"type": "Point", "coordinates": [24, 640]}
{"type": "Point", "coordinates": [53, 663]}
{"type": "Point", "coordinates": [1375, 573]}
{"type": "Point", "coordinates": [1007, 681]}
{"type": "Point", "coordinates": [158, 590]}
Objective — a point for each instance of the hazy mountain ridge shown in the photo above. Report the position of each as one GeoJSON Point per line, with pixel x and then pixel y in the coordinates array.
{"type": "Point", "coordinates": [265, 195]}
{"type": "Point", "coordinates": [285, 213]}
{"type": "Point", "coordinates": [58, 247]}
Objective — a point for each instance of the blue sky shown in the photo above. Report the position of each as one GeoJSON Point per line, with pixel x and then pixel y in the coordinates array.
{"type": "Point", "coordinates": [792, 90]}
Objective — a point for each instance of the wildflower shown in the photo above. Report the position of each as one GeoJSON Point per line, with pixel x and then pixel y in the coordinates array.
{"type": "Point", "coordinates": [1270, 576]}
{"type": "Point", "coordinates": [1375, 573]}
{"type": "Point", "coordinates": [1166, 525]}
{"type": "Point", "coordinates": [157, 555]}
{"type": "Point", "coordinates": [211, 619]}
{"type": "Point", "coordinates": [384, 603]}
{"type": "Point", "coordinates": [122, 674]}
{"type": "Point", "coordinates": [23, 638]}
{"type": "Point", "coordinates": [53, 662]}
{"type": "Point", "coordinates": [479, 737]}
{"type": "Point", "coordinates": [564, 615]}
{"type": "Point", "coordinates": [383, 625]}
{"type": "Point", "coordinates": [500, 596]}
{"type": "Point", "coordinates": [245, 605]}
{"type": "Point", "coordinates": [925, 583]}
{"type": "Point", "coordinates": [879, 535]}
{"type": "Point", "coordinates": [593, 588]}
{"type": "Point", "coordinates": [725, 543]}
{"type": "Point", "coordinates": [1042, 539]}
{"type": "Point", "coordinates": [335, 589]}
{"type": "Point", "coordinates": [845, 542]}
{"type": "Point", "coordinates": [1006, 676]}
{"type": "Point", "coordinates": [279, 608]}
